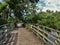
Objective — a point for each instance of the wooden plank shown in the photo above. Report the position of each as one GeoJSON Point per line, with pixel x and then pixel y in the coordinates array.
{"type": "Point", "coordinates": [49, 28]}
{"type": "Point", "coordinates": [45, 37]}
{"type": "Point", "coordinates": [47, 33]}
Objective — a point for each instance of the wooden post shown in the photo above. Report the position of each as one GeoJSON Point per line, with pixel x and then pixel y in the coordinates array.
{"type": "Point", "coordinates": [57, 34]}
{"type": "Point", "coordinates": [43, 33]}
{"type": "Point", "coordinates": [30, 27]}
{"type": "Point", "coordinates": [56, 42]}
{"type": "Point", "coordinates": [38, 26]}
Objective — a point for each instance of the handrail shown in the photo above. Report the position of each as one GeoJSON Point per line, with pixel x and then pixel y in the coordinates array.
{"type": "Point", "coordinates": [38, 31]}
{"type": "Point", "coordinates": [47, 33]}
{"type": "Point", "coordinates": [50, 28]}
{"type": "Point", "coordinates": [46, 38]}
{"type": "Point", "coordinates": [3, 25]}
{"type": "Point", "coordinates": [5, 33]}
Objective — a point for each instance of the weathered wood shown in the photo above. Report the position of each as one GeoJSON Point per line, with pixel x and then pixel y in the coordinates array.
{"type": "Point", "coordinates": [5, 33]}
{"type": "Point", "coordinates": [38, 31]}
{"type": "Point", "coordinates": [50, 28]}
{"type": "Point", "coordinates": [48, 33]}
{"type": "Point", "coordinates": [45, 37]}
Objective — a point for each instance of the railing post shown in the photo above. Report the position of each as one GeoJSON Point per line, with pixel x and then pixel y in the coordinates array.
{"type": "Point", "coordinates": [43, 33]}
{"type": "Point", "coordinates": [5, 33]}
{"type": "Point", "coordinates": [30, 27]}
{"type": "Point", "coordinates": [56, 42]}
{"type": "Point", "coordinates": [57, 34]}
{"type": "Point", "coordinates": [38, 26]}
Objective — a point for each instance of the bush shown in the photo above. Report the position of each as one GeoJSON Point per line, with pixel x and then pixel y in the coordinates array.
{"type": "Point", "coordinates": [57, 24]}
{"type": "Point", "coordinates": [2, 21]}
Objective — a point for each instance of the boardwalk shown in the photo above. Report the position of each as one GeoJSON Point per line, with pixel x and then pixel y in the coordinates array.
{"type": "Point", "coordinates": [23, 36]}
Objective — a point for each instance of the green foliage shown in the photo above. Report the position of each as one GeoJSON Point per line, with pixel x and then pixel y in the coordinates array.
{"type": "Point", "coordinates": [2, 6]}
{"type": "Point", "coordinates": [10, 20]}
{"type": "Point", "coordinates": [2, 21]}
{"type": "Point", "coordinates": [19, 7]}
{"type": "Point", "coordinates": [48, 18]}
{"type": "Point", "coordinates": [33, 1]}
{"type": "Point", "coordinates": [57, 24]}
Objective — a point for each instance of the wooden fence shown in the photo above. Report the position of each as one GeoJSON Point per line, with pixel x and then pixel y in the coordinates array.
{"type": "Point", "coordinates": [45, 33]}
{"type": "Point", "coordinates": [5, 33]}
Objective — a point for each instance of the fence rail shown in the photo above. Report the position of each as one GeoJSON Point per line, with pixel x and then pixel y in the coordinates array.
{"type": "Point", "coordinates": [45, 34]}
{"type": "Point", "coordinates": [5, 33]}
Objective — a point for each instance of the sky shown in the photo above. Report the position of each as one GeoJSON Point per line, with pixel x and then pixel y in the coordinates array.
{"type": "Point", "coordinates": [0, 0]}
{"type": "Point", "coordinates": [49, 4]}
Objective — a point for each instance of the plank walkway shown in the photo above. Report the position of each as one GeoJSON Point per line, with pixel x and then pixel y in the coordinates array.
{"type": "Point", "coordinates": [23, 36]}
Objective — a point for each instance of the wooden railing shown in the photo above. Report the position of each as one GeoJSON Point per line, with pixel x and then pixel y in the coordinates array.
{"type": "Point", "coordinates": [45, 33]}
{"type": "Point", "coordinates": [5, 33]}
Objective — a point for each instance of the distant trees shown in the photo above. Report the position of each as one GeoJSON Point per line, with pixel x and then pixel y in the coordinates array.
{"type": "Point", "coordinates": [2, 21]}
{"type": "Point", "coordinates": [33, 1]}
{"type": "Point", "coordinates": [2, 6]}
{"type": "Point", "coordinates": [2, 9]}
{"type": "Point", "coordinates": [25, 10]}
{"type": "Point", "coordinates": [19, 7]}
{"type": "Point", "coordinates": [48, 18]}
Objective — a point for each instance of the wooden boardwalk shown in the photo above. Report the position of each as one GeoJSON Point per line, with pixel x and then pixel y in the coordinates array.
{"type": "Point", "coordinates": [23, 36]}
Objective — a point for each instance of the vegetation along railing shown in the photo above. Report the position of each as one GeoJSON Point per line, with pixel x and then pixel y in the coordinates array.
{"type": "Point", "coordinates": [5, 33]}
{"type": "Point", "coordinates": [48, 35]}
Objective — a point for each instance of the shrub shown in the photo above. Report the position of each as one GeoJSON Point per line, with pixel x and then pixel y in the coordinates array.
{"type": "Point", "coordinates": [57, 24]}
{"type": "Point", "coordinates": [2, 21]}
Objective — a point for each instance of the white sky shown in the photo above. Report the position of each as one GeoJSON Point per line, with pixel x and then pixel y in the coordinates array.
{"type": "Point", "coordinates": [49, 4]}
{"type": "Point", "coordinates": [0, 0]}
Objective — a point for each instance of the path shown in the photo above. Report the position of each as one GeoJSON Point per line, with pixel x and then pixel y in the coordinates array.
{"type": "Point", "coordinates": [23, 36]}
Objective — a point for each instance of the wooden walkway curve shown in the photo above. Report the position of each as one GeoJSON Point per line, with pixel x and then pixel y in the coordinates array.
{"type": "Point", "coordinates": [23, 36]}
